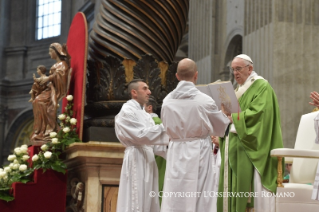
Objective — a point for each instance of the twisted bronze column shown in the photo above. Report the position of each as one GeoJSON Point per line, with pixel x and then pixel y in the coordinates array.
{"type": "Point", "coordinates": [131, 39]}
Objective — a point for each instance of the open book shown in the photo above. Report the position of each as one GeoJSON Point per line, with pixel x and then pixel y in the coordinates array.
{"type": "Point", "coordinates": [222, 92]}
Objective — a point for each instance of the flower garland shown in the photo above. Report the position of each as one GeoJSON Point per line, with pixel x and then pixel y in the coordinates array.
{"type": "Point", "coordinates": [19, 170]}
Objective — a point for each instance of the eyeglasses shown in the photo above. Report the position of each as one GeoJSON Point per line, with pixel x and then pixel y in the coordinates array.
{"type": "Point", "coordinates": [238, 68]}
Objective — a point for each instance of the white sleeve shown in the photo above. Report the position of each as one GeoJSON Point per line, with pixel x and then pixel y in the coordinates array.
{"type": "Point", "coordinates": [216, 120]}
{"type": "Point", "coordinates": [127, 127]}
{"type": "Point", "coordinates": [160, 150]}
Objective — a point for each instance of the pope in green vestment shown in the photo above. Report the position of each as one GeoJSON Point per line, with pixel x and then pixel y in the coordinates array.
{"type": "Point", "coordinates": [255, 132]}
{"type": "Point", "coordinates": [161, 163]}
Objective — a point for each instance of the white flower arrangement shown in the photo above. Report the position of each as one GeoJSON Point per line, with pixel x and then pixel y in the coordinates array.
{"type": "Point", "coordinates": [66, 129]}
{"type": "Point", "coordinates": [17, 151]}
{"type": "Point", "coordinates": [35, 157]}
{"type": "Point", "coordinates": [19, 169]}
{"type": "Point", "coordinates": [23, 167]}
{"type": "Point", "coordinates": [69, 98]}
{"type": "Point", "coordinates": [7, 169]}
{"type": "Point", "coordinates": [53, 134]}
{"type": "Point", "coordinates": [55, 141]}
{"type": "Point", "coordinates": [24, 149]}
{"type": "Point", "coordinates": [44, 147]}
{"type": "Point", "coordinates": [61, 117]}
{"type": "Point", "coordinates": [25, 157]}
{"type": "Point", "coordinates": [73, 121]}
{"type": "Point", "coordinates": [11, 157]}
{"type": "Point", "coordinates": [47, 154]}
{"type": "Point", "coordinates": [67, 135]}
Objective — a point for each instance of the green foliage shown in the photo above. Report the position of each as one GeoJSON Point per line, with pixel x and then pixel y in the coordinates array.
{"type": "Point", "coordinates": [4, 195]}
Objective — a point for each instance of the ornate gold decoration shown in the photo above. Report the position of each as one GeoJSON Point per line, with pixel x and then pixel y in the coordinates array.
{"type": "Point", "coordinates": [129, 65]}
{"type": "Point", "coordinates": [279, 170]}
{"type": "Point", "coordinates": [163, 67]}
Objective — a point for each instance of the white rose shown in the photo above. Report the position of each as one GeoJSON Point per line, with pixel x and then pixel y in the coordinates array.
{"type": "Point", "coordinates": [67, 119]}
{"type": "Point", "coordinates": [15, 166]}
{"type": "Point", "coordinates": [11, 157]}
{"type": "Point", "coordinates": [73, 121]}
{"type": "Point", "coordinates": [53, 134]}
{"type": "Point", "coordinates": [15, 161]}
{"type": "Point", "coordinates": [2, 174]}
{"type": "Point", "coordinates": [7, 169]}
{"type": "Point", "coordinates": [66, 129]}
{"type": "Point", "coordinates": [5, 177]}
{"type": "Point", "coordinates": [25, 157]}
{"type": "Point", "coordinates": [1, 170]}
{"type": "Point", "coordinates": [44, 147]}
{"type": "Point", "coordinates": [23, 167]}
{"type": "Point", "coordinates": [35, 157]}
{"type": "Point", "coordinates": [24, 148]}
{"type": "Point", "coordinates": [11, 165]}
{"type": "Point", "coordinates": [55, 141]}
{"type": "Point", "coordinates": [69, 97]}
{"type": "Point", "coordinates": [47, 154]}
{"type": "Point", "coordinates": [17, 151]}
{"type": "Point", "coordinates": [61, 116]}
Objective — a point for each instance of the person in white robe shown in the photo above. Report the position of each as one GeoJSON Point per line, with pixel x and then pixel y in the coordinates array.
{"type": "Point", "coordinates": [136, 130]}
{"type": "Point", "coordinates": [315, 102]}
{"type": "Point", "coordinates": [190, 117]}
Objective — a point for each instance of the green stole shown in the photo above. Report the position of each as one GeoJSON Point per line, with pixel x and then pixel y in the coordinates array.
{"type": "Point", "coordinates": [258, 132]}
{"type": "Point", "coordinates": [161, 165]}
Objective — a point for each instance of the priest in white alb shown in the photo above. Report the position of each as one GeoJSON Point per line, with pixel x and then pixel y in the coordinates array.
{"type": "Point", "coordinates": [137, 131]}
{"type": "Point", "coordinates": [190, 117]}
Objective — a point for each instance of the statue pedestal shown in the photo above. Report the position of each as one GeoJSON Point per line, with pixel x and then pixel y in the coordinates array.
{"type": "Point", "coordinates": [97, 165]}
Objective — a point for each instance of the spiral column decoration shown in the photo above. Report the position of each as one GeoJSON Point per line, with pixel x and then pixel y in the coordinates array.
{"type": "Point", "coordinates": [132, 39]}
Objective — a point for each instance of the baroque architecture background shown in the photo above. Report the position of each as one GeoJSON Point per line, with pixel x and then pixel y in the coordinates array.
{"type": "Point", "coordinates": [280, 36]}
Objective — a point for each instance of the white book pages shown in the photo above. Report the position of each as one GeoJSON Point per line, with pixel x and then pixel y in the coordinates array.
{"type": "Point", "coordinates": [222, 92]}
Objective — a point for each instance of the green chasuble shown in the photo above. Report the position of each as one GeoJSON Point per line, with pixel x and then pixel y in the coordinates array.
{"type": "Point", "coordinates": [161, 165]}
{"type": "Point", "coordinates": [157, 120]}
{"type": "Point", "coordinates": [258, 132]}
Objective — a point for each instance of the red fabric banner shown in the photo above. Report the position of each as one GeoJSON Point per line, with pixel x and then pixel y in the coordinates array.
{"type": "Point", "coordinates": [77, 47]}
